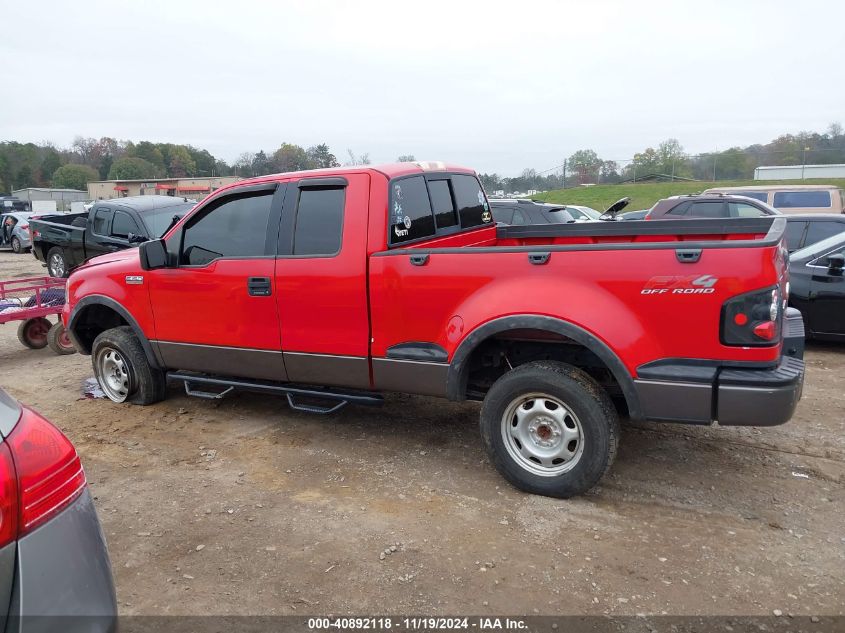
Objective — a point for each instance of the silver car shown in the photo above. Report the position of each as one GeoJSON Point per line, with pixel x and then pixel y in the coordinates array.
{"type": "Point", "coordinates": [55, 573]}
{"type": "Point", "coordinates": [14, 231]}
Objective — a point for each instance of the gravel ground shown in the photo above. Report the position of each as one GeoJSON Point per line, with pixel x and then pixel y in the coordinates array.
{"type": "Point", "coordinates": [246, 507]}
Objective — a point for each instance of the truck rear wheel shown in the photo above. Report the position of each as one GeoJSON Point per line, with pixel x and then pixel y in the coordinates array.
{"type": "Point", "coordinates": [549, 429]}
{"type": "Point", "coordinates": [56, 264]}
{"type": "Point", "coordinates": [122, 369]}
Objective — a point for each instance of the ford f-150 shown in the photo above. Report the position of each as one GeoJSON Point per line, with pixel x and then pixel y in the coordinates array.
{"type": "Point", "coordinates": [336, 286]}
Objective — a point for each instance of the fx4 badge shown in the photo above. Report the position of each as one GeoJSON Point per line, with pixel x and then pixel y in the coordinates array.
{"type": "Point", "coordinates": [680, 285]}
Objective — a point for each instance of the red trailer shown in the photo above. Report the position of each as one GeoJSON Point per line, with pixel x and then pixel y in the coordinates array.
{"type": "Point", "coordinates": [31, 301]}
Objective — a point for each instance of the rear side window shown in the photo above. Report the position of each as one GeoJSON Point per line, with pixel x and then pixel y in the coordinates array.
{"type": "Point", "coordinates": [707, 210]}
{"type": "Point", "coordinates": [441, 203]}
{"type": "Point", "coordinates": [681, 209]}
{"type": "Point", "coordinates": [410, 211]}
{"type": "Point", "coordinates": [742, 210]}
{"type": "Point", "coordinates": [817, 231]}
{"type": "Point", "coordinates": [235, 227]}
{"type": "Point", "coordinates": [102, 220]}
{"type": "Point", "coordinates": [795, 199]}
{"type": "Point", "coordinates": [473, 208]}
{"type": "Point", "coordinates": [319, 222]}
{"type": "Point", "coordinates": [503, 215]}
{"type": "Point", "coordinates": [794, 233]}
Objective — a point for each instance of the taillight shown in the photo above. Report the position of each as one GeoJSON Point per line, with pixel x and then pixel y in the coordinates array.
{"type": "Point", "coordinates": [752, 319]}
{"type": "Point", "coordinates": [49, 472]}
{"type": "Point", "coordinates": [24, 227]}
{"type": "Point", "coordinates": [8, 497]}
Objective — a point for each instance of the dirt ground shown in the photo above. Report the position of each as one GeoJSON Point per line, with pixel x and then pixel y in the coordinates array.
{"type": "Point", "coordinates": [246, 507]}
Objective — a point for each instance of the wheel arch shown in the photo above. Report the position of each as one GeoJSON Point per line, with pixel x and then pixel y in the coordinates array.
{"type": "Point", "coordinates": [458, 373]}
{"type": "Point", "coordinates": [96, 313]}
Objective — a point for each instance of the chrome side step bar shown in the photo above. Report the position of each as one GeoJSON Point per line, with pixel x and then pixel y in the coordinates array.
{"type": "Point", "coordinates": [200, 385]}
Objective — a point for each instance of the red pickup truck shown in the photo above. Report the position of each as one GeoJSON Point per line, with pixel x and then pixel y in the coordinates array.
{"type": "Point", "coordinates": [335, 286]}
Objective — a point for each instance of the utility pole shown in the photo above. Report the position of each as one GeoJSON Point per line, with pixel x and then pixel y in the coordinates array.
{"type": "Point", "coordinates": [804, 162]}
{"type": "Point", "coordinates": [714, 166]}
{"type": "Point", "coordinates": [564, 173]}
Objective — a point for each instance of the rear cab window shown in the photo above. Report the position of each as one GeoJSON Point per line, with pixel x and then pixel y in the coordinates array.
{"type": "Point", "coordinates": [429, 205]}
{"type": "Point", "coordinates": [762, 196]}
{"type": "Point", "coordinates": [799, 199]}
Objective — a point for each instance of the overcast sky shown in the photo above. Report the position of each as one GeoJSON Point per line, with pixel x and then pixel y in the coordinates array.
{"type": "Point", "coordinates": [497, 86]}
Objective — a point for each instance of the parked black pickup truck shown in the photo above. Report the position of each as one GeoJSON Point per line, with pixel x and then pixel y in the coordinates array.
{"type": "Point", "coordinates": [65, 241]}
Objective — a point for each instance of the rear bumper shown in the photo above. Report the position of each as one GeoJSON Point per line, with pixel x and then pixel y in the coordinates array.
{"type": "Point", "coordinates": [63, 580]}
{"type": "Point", "coordinates": [702, 392]}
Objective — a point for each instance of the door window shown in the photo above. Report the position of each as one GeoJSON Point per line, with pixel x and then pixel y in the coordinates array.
{"type": "Point", "coordinates": [123, 224]}
{"type": "Point", "coordinates": [235, 226]}
{"type": "Point", "coordinates": [441, 203]}
{"type": "Point", "coordinates": [817, 231]}
{"type": "Point", "coordinates": [319, 222]}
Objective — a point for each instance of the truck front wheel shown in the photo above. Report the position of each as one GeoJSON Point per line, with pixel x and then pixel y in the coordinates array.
{"type": "Point", "coordinates": [122, 369]}
{"type": "Point", "coordinates": [549, 429]}
{"type": "Point", "coordinates": [56, 263]}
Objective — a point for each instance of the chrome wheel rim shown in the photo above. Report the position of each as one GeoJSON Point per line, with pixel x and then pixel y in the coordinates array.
{"type": "Point", "coordinates": [542, 435]}
{"type": "Point", "coordinates": [57, 263]}
{"type": "Point", "coordinates": [16, 245]}
{"type": "Point", "coordinates": [113, 374]}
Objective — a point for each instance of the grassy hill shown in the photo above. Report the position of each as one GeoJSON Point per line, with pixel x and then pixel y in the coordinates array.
{"type": "Point", "coordinates": [644, 195]}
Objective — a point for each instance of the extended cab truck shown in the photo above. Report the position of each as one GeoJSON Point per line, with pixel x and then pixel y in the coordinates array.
{"type": "Point", "coordinates": [64, 241]}
{"type": "Point", "coordinates": [347, 283]}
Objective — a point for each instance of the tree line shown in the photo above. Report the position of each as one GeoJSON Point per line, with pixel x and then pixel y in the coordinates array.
{"type": "Point", "coordinates": [670, 160]}
{"type": "Point", "coordinates": [44, 165]}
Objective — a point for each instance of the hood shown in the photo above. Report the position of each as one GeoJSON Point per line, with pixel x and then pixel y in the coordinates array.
{"type": "Point", "coordinates": [108, 258]}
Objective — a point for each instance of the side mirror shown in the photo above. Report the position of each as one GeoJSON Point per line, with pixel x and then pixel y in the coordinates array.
{"type": "Point", "coordinates": [133, 238]}
{"type": "Point", "coordinates": [835, 264]}
{"type": "Point", "coordinates": [153, 254]}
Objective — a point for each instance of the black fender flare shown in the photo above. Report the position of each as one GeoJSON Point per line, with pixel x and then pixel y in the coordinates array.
{"type": "Point", "coordinates": [110, 303]}
{"type": "Point", "coordinates": [457, 376]}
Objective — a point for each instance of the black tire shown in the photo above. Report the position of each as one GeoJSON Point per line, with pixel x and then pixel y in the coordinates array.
{"type": "Point", "coordinates": [119, 347]}
{"type": "Point", "coordinates": [32, 333]}
{"type": "Point", "coordinates": [56, 263]}
{"type": "Point", "coordinates": [58, 341]}
{"type": "Point", "coordinates": [16, 245]}
{"type": "Point", "coordinates": [593, 420]}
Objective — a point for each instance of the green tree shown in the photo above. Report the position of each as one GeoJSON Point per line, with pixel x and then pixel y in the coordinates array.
{"type": "Point", "coordinates": [289, 157]}
{"type": "Point", "coordinates": [585, 164]}
{"type": "Point", "coordinates": [179, 162]}
{"type": "Point", "coordinates": [149, 152]}
{"type": "Point", "coordinates": [74, 176]}
{"type": "Point", "coordinates": [133, 168]}
{"type": "Point", "coordinates": [319, 156]}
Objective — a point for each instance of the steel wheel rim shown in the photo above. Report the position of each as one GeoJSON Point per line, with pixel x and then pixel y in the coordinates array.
{"type": "Point", "coordinates": [57, 263]}
{"type": "Point", "coordinates": [64, 340]}
{"type": "Point", "coordinates": [37, 331]}
{"type": "Point", "coordinates": [114, 377]}
{"type": "Point", "coordinates": [16, 245]}
{"type": "Point", "coordinates": [542, 434]}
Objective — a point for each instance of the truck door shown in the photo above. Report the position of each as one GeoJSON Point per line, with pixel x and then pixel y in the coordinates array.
{"type": "Point", "coordinates": [827, 297]}
{"type": "Point", "coordinates": [321, 283]}
{"type": "Point", "coordinates": [215, 312]}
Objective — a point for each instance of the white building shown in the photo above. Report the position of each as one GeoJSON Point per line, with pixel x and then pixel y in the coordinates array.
{"type": "Point", "coordinates": [62, 197]}
{"type": "Point", "coordinates": [799, 172]}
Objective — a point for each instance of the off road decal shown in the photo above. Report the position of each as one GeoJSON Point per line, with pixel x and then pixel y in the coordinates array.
{"type": "Point", "coordinates": [680, 285]}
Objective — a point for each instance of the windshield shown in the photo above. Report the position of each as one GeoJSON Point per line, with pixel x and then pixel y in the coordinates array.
{"type": "Point", "coordinates": [159, 220]}
{"type": "Point", "coordinates": [819, 247]}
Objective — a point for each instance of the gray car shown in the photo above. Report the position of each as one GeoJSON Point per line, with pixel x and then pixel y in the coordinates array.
{"type": "Point", "coordinates": [14, 231]}
{"type": "Point", "coordinates": [55, 573]}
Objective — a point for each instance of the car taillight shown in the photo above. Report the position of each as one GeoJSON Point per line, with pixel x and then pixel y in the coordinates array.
{"type": "Point", "coordinates": [8, 497]}
{"type": "Point", "coordinates": [49, 473]}
{"type": "Point", "coordinates": [24, 227]}
{"type": "Point", "coordinates": [752, 319]}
